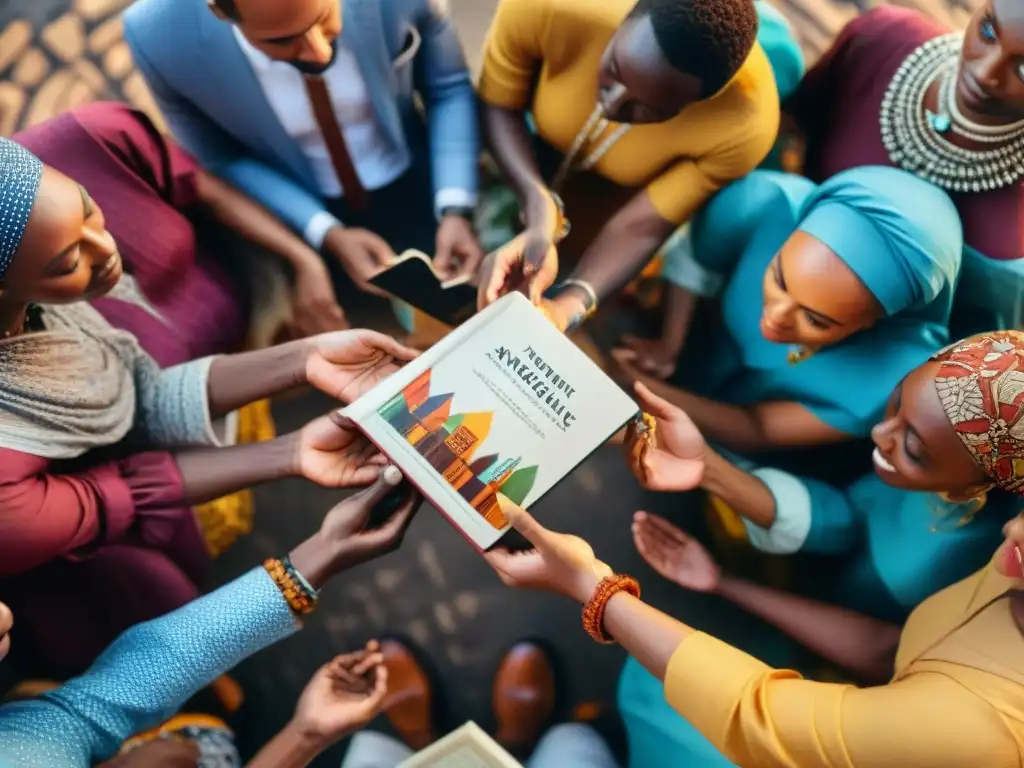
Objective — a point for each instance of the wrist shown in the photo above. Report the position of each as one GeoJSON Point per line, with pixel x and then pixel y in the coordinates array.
{"type": "Point", "coordinates": [589, 583]}
{"type": "Point", "coordinates": [726, 586]}
{"type": "Point", "coordinates": [316, 559]}
{"type": "Point", "coordinates": [305, 739]}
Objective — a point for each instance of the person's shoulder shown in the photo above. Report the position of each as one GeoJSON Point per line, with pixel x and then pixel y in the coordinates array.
{"type": "Point", "coordinates": [892, 23]}
{"type": "Point", "coordinates": [158, 17]}
{"type": "Point", "coordinates": [584, 16]}
{"type": "Point", "coordinates": [752, 102]}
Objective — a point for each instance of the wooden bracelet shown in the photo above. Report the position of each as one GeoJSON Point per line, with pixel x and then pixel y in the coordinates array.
{"type": "Point", "coordinates": [299, 600]}
{"type": "Point", "coordinates": [593, 611]}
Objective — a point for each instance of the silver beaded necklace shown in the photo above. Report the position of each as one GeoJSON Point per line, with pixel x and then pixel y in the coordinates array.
{"type": "Point", "coordinates": [915, 137]}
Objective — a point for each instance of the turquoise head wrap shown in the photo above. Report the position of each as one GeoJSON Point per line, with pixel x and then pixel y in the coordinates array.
{"type": "Point", "coordinates": [899, 234]}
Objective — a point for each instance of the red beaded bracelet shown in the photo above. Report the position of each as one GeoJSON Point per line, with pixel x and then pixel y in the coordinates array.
{"type": "Point", "coordinates": [593, 611]}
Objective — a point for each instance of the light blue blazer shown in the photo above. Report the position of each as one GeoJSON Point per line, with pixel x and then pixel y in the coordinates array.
{"type": "Point", "coordinates": [215, 107]}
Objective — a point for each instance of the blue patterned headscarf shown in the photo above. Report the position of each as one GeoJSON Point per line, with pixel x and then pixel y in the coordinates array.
{"type": "Point", "coordinates": [899, 234]}
{"type": "Point", "coordinates": [20, 172]}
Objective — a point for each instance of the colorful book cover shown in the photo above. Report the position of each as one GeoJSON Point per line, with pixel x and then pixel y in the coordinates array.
{"type": "Point", "coordinates": [498, 412]}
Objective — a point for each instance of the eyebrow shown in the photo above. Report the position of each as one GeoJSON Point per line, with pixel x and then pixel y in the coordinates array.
{"type": "Point", "coordinates": [782, 283]}
{"type": "Point", "coordinates": [86, 211]}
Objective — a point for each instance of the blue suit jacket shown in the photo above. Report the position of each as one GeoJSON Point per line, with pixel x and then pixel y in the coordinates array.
{"type": "Point", "coordinates": [215, 107]}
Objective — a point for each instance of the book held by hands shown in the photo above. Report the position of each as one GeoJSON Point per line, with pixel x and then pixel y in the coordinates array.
{"type": "Point", "coordinates": [411, 278]}
{"type": "Point", "coordinates": [498, 411]}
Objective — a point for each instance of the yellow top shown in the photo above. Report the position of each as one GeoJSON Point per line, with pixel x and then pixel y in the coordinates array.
{"type": "Point", "coordinates": [550, 51]}
{"type": "Point", "coordinates": [956, 700]}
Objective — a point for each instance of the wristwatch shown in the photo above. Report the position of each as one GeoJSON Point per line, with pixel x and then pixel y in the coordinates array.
{"type": "Point", "coordinates": [458, 210]}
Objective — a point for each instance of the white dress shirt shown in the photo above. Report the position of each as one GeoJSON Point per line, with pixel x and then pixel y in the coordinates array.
{"type": "Point", "coordinates": [376, 162]}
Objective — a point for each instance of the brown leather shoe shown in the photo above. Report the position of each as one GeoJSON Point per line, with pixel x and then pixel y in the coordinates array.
{"type": "Point", "coordinates": [408, 705]}
{"type": "Point", "coordinates": [523, 696]}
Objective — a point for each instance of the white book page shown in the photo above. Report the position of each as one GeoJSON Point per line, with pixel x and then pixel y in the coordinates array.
{"type": "Point", "coordinates": [466, 747]}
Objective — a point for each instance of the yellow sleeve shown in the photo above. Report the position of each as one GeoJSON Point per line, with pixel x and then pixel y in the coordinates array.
{"type": "Point", "coordinates": [513, 52]}
{"type": "Point", "coordinates": [759, 716]}
{"type": "Point", "coordinates": [684, 188]}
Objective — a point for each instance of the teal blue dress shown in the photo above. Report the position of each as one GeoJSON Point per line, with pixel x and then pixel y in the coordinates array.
{"type": "Point", "coordinates": [902, 238]}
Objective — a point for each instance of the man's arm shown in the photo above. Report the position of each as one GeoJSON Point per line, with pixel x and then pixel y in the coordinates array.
{"type": "Point", "coordinates": [452, 116]}
{"type": "Point", "coordinates": [222, 155]}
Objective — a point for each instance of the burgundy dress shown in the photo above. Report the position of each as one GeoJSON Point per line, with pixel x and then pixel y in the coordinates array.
{"type": "Point", "coordinates": [89, 548]}
{"type": "Point", "coordinates": [838, 106]}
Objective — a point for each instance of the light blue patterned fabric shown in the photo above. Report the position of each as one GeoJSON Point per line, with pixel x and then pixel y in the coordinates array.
{"type": "Point", "coordinates": [20, 172]}
{"type": "Point", "coordinates": [145, 676]}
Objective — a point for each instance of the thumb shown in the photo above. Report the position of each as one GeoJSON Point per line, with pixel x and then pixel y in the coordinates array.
{"type": "Point", "coordinates": [658, 407]}
{"type": "Point", "coordinates": [526, 524]}
{"type": "Point", "coordinates": [369, 497]}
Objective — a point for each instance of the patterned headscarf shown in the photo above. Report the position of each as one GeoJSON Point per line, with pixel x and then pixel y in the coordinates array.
{"type": "Point", "coordinates": [981, 385]}
{"type": "Point", "coordinates": [20, 172]}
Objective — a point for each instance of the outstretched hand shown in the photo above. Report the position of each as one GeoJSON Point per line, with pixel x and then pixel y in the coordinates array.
{"type": "Point", "coordinates": [674, 554]}
{"type": "Point", "coordinates": [347, 364]}
{"type": "Point", "coordinates": [674, 459]}
{"type": "Point", "coordinates": [559, 562]}
{"type": "Point", "coordinates": [527, 263]}
{"type": "Point", "coordinates": [343, 695]}
{"type": "Point", "coordinates": [333, 453]}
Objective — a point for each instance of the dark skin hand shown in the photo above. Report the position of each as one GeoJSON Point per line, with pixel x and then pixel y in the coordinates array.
{"type": "Point", "coordinates": [636, 85]}
{"type": "Point", "coordinates": [159, 753]}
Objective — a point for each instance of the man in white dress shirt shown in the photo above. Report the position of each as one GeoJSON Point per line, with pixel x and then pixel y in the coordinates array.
{"type": "Point", "coordinates": [355, 121]}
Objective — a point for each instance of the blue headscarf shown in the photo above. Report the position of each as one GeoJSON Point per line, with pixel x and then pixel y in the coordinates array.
{"type": "Point", "coordinates": [20, 172]}
{"type": "Point", "coordinates": [899, 234]}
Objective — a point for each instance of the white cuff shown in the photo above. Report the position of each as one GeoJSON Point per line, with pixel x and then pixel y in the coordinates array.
{"type": "Point", "coordinates": [317, 228]}
{"type": "Point", "coordinates": [679, 267]}
{"type": "Point", "coordinates": [453, 197]}
{"type": "Point", "coordinates": [792, 514]}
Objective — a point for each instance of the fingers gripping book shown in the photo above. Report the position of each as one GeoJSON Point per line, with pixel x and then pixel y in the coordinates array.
{"type": "Point", "coordinates": [497, 412]}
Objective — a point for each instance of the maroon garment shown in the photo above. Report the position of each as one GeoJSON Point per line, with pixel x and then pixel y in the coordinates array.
{"type": "Point", "coordinates": [91, 547]}
{"type": "Point", "coordinates": [146, 185]}
{"type": "Point", "coordinates": [838, 106]}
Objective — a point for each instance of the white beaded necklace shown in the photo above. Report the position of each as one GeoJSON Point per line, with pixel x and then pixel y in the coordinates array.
{"type": "Point", "coordinates": [590, 132]}
{"type": "Point", "coordinates": [915, 137]}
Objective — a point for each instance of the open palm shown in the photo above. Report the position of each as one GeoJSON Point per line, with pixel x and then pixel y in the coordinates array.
{"type": "Point", "coordinates": [333, 453]}
{"type": "Point", "coordinates": [673, 458]}
{"type": "Point", "coordinates": [675, 555]}
{"type": "Point", "coordinates": [348, 364]}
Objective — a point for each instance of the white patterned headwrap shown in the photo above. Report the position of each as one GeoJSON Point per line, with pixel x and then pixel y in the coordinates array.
{"type": "Point", "coordinates": [20, 172]}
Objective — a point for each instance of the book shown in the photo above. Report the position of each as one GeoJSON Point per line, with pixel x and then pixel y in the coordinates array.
{"type": "Point", "coordinates": [411, 278]}
{"type": "Point", "coordinates": [468, 746]}
{"type": "Point", "coordinates": [499, 411]}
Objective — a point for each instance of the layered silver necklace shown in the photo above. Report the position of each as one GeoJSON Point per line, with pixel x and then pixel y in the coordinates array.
{"type": "Point", "coordinates": [916, 138]}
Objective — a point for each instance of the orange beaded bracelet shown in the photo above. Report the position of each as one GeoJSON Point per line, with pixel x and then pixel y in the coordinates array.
{"type": "Point", "coordinates": [299, 599]}
{"type": "Point", "coordinates": [593, 611]}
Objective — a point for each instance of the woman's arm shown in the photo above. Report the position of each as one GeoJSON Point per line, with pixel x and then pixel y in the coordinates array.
{"type": "Point", "coordinates": [155, 667]}
{"type": "Point", "coordinates": [45, 515]}
{"type": "Point", "coordinates": [863, 645]}
{"type": "Point", "coordinates": [762, 427]}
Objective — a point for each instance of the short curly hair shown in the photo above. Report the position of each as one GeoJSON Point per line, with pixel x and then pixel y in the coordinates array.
{"type": "Point", "coordinates": [227, 7]}
{"type": "Point", "coordinates": [709, 39]}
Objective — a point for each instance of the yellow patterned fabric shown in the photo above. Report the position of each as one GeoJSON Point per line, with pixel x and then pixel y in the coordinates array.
{"type": "Point", "coordinates": [225, 520]}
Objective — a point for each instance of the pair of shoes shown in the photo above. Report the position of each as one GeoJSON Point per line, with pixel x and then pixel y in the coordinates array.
{"type": "Point", "coordinates": [523, 696]}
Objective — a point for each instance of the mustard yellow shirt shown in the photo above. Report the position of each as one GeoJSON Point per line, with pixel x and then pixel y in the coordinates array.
{"type": "Point", "coordinates": [545, 55]}
{"type": "Point", "coordinates": [956, 700]}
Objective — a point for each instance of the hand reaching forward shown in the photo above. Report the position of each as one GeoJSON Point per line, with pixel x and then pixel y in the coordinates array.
{"type": "Point", "coordinates": [347, 364]}
{"type": "Point", "coordinates": [527, 263]}
{"type": "Point", "coordinates": [675, 555]}
{"type": "Point", "coordinates": [342, 696]}
{"type": "Point", "coordinates": [333, 453]}
{"type": "Point", "coordinates": [674, 459]}
{"type": "Point", "coordinates": [558, 562]}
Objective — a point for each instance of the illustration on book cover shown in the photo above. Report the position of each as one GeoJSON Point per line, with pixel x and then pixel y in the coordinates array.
{"type": "Point", "coordinates": [453, 444]}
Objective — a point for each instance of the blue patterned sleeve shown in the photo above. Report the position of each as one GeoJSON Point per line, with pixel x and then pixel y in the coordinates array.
{"type": "Point", "coordinates": [145, 676]}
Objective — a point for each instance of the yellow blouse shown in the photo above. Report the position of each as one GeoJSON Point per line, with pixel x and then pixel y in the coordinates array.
{"type": "Point", "coordinates": [546, 54]}
{"type": "Point", "coordinates": [956, 700]}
